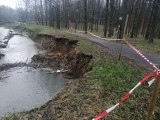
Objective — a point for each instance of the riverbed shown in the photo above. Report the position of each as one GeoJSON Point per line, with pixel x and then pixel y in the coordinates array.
{"type": "Point", "coordinates": [24, 88]}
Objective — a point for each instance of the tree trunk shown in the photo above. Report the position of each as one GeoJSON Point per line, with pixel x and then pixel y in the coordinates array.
{"type": "Point", "coordinates": [152, 31]}
{"type": "Point", "coordinates": [85, 16]}
{"type": "Point", "coordinates": [58, 15]}
{"type": "Point", "coordinates": [106, 18]}
{"type": "Point", "coordinates": [46, 13]}
{"type": "Point", "coordinates": [98, 14]}
{"type": "Point", "coordinates": [41, 10]}
{"type": "Point", "coordinates": [111, 20]}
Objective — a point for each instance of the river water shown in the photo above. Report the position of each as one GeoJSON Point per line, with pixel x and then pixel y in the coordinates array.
{"type": "Point", "coordinates": [24, 88]}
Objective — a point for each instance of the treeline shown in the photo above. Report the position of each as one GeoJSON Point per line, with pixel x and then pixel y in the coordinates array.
{"type": "Point", "coordinates": [7, 14]}
{"type": "Point", "coordinates": [144, 15]}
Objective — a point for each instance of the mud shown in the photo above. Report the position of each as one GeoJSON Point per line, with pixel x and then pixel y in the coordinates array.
{"type": "Point", "coordinates": [62, 53]}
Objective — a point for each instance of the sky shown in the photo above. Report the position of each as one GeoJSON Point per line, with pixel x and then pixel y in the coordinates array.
{"type": "Point", "coordinates": [9, 3]}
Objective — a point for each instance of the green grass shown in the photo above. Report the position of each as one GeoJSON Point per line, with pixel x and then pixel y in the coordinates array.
{"type": "Point", "coordinates": [142, 44]}
{"type": "Point", "coordinates": [116, 79]}
{"type": "Point", "coordinates": [38, 29]}
{"type": "Point", "coordinates": [138, 42]}
{"type": "Point", "coordinates": [99, 32]}
{"type": "Point", "coordinates": [103, 87]}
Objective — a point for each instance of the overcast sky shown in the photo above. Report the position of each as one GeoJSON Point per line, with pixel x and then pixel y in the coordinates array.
{"type": "Point", "coordinates": [10, 3]}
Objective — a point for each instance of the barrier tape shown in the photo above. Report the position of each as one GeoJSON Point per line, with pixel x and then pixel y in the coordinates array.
{"type": "Point", "coordinates": [144, 57]}
{"type": "Point", "coordinates": [97, 36]}
{"type": "Point", "coordinates": [125, 97]}
{"type": "Point", "coordinates": [147, 60]}
{"type": "Point", "coordinates": [104, 38]}
{"type": "Point", "coordinates": [77, 30]}
{"type": "Point", "coordinates": [137, 51]}
{"type": "Point", "coordinates": [153, 80]}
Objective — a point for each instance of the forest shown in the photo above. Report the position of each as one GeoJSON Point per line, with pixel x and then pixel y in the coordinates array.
{"type": "Point", "coordinates": [144, 15]}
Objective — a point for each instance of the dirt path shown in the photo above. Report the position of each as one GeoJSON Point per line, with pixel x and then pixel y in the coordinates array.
{"type": "Point", "coordinates": [126, 51]}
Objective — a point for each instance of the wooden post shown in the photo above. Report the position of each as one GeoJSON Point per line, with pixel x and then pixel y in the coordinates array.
{"type": "Point", "coordinates": [154, 98]}
{"type": "Point", "coordinates": [120, 53]}
{"type": "Point", "coordinates": [125, 28]}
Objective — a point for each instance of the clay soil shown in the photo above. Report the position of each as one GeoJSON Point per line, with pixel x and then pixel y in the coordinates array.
{"type": "Point", "coordinates": [61, 53]}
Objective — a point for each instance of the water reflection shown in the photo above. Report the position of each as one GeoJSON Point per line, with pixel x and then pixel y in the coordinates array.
{"type": "Point", "coordinates": [23, 89]}
{"type": "Point", "coordinates": [19, 49]}
{"type": "Point", "coordinates": [27, 89]}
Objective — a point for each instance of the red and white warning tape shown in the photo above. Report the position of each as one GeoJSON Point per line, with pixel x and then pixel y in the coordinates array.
{"type": "Point", "coordinates": [153, 80]}
{"type": "Point", "coordinates": [144, 57]}
{"type": "Point", "coordinates": [147, 60]}
{"type": "Point", "coordinates": [126, 96]}
{"type": "Point", "coordinates": [104, 38]}
{"type": "Point", "coordinates": [96, 35]}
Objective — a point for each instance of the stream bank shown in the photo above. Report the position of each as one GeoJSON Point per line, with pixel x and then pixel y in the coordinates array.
{"type": "Point", "coordinates": [61, 54]}
{"type": "Point", "coordinates": [86, 97]}
{"type": "Point", "coordinates": [28, 80]}
{"type": "Point", "coordinates": [102, 87]}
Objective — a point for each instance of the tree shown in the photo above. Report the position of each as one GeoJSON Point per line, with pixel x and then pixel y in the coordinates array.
{"type": "Point", "coordinates": [154, 18]}
{"type": "Point", "coordinates": [144, 17]}
{"type": "Point", "coordinates": [85, 16]}
{"type": "Point", "coordinates": [106, 18]}
{"type": "Point", "coordinates": [41, 10]}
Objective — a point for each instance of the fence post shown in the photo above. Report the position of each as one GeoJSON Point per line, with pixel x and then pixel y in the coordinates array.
{"type": "Point", "coordinates": [154, 98]}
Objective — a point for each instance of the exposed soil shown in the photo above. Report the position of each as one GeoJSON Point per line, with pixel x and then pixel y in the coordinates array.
{"type": "Point", "coordinates": [82, 98]}
{"type": "Point", "coordinates": [61, 54]}
{"type": "Point", "coordinates": [126, 51]}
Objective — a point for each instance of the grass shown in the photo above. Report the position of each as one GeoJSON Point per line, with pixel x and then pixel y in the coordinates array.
{"type": "Point", "coordinates": [38, 29]}
{"type": "Point", "coordinates": [138, 42]}
{"type": "Point", "coordinates": [101, 88]}
{"type": "Point", "coordinates": [116, 78]}
{"type": "Point", "coordinates": [142, 44]}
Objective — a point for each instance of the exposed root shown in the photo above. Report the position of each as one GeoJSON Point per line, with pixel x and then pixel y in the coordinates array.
{"type": "Point", "coordinates": [62, 54]}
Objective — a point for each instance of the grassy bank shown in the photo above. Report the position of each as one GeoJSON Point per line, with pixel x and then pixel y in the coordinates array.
{"type": "Point", "coordinates": [139, 42]}
{"type": "Point", "coordinates": [99, 89]}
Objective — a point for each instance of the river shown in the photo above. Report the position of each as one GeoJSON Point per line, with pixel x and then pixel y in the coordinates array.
{"type": "Point", "coordinates": [24, 88]}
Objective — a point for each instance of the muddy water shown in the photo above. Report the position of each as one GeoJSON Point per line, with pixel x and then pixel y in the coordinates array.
{"type": "Point", "coordinates": [3, 32]}
{"type": "Point", "coordinates": [19, 49]}
{"type": "Point", "coordinates": [24, 88]}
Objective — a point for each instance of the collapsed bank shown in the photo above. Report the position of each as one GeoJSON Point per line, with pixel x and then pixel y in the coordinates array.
{"type": "Point", "coordinates": [86, 97]}
{"type": "Point", "coordinates": [47, 65]}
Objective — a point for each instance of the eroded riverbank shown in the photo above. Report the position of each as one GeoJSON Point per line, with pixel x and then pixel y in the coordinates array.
{"type": "Point", "coordinates": [21, 86]}
{"type": "Point", "coordinates": [25, 75]}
